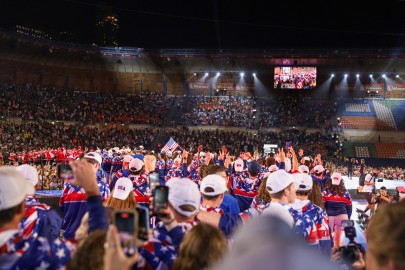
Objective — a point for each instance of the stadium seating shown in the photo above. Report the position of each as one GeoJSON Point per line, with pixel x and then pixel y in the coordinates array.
{"type": "Point", "coordinates": [390, 150]}
{"type": "Point", "coordinates": [374, 150]}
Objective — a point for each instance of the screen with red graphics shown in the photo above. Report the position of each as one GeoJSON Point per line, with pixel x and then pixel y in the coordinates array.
{"type": "Point", "coordinates": [291, 77]}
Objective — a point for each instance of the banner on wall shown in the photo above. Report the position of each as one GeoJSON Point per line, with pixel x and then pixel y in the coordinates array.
{"type": "Point", "coordinates": [396, 87]}
{"type": "Point", "coordinates": [372, 87]}
{"type": "Point", "coordinates": [199, 86]}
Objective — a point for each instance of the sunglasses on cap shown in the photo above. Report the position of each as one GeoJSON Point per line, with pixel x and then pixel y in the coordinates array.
{"type": "Point", "coordinates": [335, 178]}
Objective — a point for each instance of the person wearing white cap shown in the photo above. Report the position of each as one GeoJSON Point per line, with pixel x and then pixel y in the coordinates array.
{"type": "Point", "coordinates": [17, 252]}
{"type": "Point", "coordinates": [320, 175]}
{"type": "Point", "coordinates": [311, 221]}
{"type": "Point", "coordinates": [176, 170]}
{"type": "Point", "coordinates": [338, 205]}
{"type": "Point", "coordinates": [122, 197]}
{"type": "Point", "coordinates": [212, 188]}
{"type": "Point", "coordinates": [140, 181]}
{"type": "Point", "coordinates": [176, 221]}
{"type": "Point", "coordinates": [282, 189]}
{"type": "Point", "coordinates": [123, 172]}
{"type": "Point", "coordinates": [73, 202]}
{"type": "Point", "coordinates": [39, 219]}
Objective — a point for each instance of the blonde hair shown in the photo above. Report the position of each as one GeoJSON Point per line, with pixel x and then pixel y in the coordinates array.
{"type": "Point", "coordinates": [128, 204]}
{"type": "Point", "coordinates": [386, 235]}
{"type": "Point", "coordinates": [202, 246]}
{"type": "Point", "coordinates": [150, 163]}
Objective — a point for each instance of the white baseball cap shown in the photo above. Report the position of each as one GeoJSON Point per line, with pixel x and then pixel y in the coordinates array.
{"type": "Point", "coordinates": [123, 187]}
{"type": "Point", "coordinates": [238, 165]}
{"type": "Point", "coordinates": [169, 153]}
{"type": "Point", "coordinates": [303, 181]}
{"type": "Point", "coordinates": [307, 159]}
{"type": "Point", "coordinates": [177, 160]}
{"type": "Point", "coordinates": [336, 178]}
{"type": "Point", "coordinates": [214, 181]}
{"type": "Point", "coordinates": [136, 164]}
{"type": "Point", "coordinates": [13, 188]}
{"type": "Point", "coordinates": [128, 158]}
{"type": "Point", "coordinates": [30, 173]}
{"type": "Point", "coordinates": [278, 181]}
{"type": "Point", "coordinates": [319, 168]}
{"type": "Point", "coordinates": [184, 192]}
{"type": "Point", "coordinates": [303, 169]}
{"type": "Point", "coordinates": [273, 168]}
{"type": "Point", "coordinates": [94, 156]}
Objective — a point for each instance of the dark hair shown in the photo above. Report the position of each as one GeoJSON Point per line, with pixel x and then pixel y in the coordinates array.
{"type": "Point", "coordinates": [335, 189]}
{"type": "Point", "coordinates": [209, 197]}
{"type": "Point", "coordinates": [8, 214]}
{"type": "Point", "coordinates": [383, 188]}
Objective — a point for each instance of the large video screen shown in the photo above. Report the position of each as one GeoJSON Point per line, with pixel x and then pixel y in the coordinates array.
{"type": "Point", "coordinates": [294, 77]}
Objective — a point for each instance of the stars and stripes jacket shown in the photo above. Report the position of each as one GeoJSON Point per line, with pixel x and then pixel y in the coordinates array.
{"type": "Point", "coordinates": [312, 223]}
{"type": "Point", "coordinates": [17, 252]}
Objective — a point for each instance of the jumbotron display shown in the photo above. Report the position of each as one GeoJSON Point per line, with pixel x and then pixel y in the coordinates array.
{"type": "Point", "coordinates": [294, 77]}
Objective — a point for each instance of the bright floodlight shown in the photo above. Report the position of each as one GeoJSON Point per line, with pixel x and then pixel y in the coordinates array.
{"type": "Point", "coordinates": [195, 73]}
{"type": "Point", "coordinates": [397, 76]}
{"type": "Point", "coordinates": [383, 75]}
{"type": "Point", "coordinates": [371, 75]}
{"type": "Point", "coordinates": [206, 73]}
{"type": "Point", "coordinates": [357, 75]}
{"type": "Point", "coordinates": [346, 75]}
{"type": "Point", "coordinates": [242, 74]}
{"type": "Point", "coordinates": [254, 74]}
{"type": "Point", "coordinates": [218, 73]}
{"type": "Point", "coordinates": [332, 75]}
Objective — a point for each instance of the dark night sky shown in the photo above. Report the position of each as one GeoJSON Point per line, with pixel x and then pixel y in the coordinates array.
{"type": "Point", "coordinates": [222, 23]}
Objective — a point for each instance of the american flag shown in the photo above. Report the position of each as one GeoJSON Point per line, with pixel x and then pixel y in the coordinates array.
{"type": "Point", "coordinates": [171, 145]}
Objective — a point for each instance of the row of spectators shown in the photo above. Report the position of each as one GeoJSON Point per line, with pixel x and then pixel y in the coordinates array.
{"type": "Point", "coordinates": [220, 111]}
{"type": "Point", "coordinates": [295, 110]}
{"type": "Point", "coordinates": [50, 103]}
{"type": "Point", "coordinates": [36, 103]}
{"type": "Point", "coordinates": [37, 135]}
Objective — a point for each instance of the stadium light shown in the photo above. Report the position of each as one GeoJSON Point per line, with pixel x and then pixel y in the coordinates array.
{"type": "Point", "coordinates": [242, 74]}
{"type": "Point", "coordinates": [195, 73]}
{"type": "Point", "coordinates": [218, 73]}
{"type": "Point", "coordinates": [383, 76]}
{"type": "Point", "coordinates": [254, 74]}
{"type": "Point", "coordinates": [346, 75]}
{"type": "Point", "coordinates": [357, 75]}
{"type": "Point", "coordinates": [332, 75]}
{"type": "Point", "coordinates": [371, 75]}
{"type": "Point", "coordinates": [206, 73]}
{"type": "Point", "coordinates": [397, 76]}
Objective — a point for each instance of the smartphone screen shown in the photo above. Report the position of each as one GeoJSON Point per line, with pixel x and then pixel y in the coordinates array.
{"type": "Point", "coordinates": [143, 223]}
{"type": "Point", "coordinates": [287, 146]}
{"type": "Point", "coordinates": [125, 223]}
{"type": "Point", "coordinates": [64, 171]}
{"type": "Point", "coordinates": [153, 180]}
{"type": "Point", "coordinates": [160, 198]}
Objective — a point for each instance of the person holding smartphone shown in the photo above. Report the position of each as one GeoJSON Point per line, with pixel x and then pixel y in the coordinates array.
{"type": "Point", "coordinates": [175, 221]}
{"type": "Point", "coordinates": [73, 200]}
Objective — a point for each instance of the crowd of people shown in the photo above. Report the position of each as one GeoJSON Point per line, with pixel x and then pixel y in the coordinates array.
{"type": "Point", "coordinates": [220, 111]}
{"type": "Point", "coordinates": [49, 103]}
{"type": "Point", "coordinates": [296, 110]}
{"type": "Point", "coordinates": [216, 204]}
{"type": "Point", "coordinates": [36, 103]}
